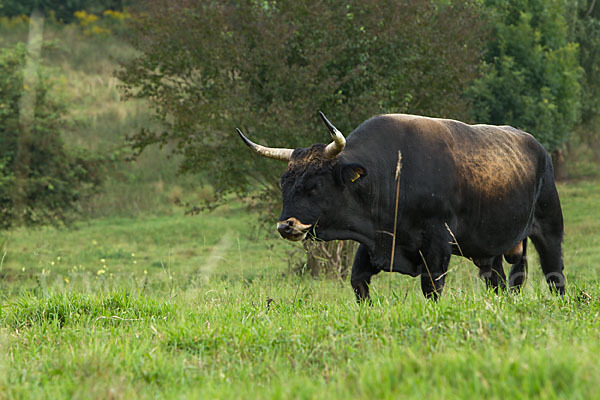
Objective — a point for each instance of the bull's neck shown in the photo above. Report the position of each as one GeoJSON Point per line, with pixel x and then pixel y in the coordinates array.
{"type": "Point", "coordinates": [360, 230]}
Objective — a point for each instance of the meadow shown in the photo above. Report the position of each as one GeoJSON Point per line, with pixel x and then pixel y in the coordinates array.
{"type": "Point", "coordinates": [138, 300]}
{"type": "Point", "coordinates": [206, 307]}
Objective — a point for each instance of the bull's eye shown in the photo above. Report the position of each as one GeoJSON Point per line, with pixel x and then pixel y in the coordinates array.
{"type": "Point", "coordinates": [312, 188]}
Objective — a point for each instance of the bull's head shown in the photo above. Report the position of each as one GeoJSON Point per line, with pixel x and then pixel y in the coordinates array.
{"type": "Point", "coordinates": [312, 185]}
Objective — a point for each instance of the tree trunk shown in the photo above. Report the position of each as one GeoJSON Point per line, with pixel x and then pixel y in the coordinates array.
{"type": "Point", "coordinates": [561, 171]}
{"type": "Point", "coordinates": [27, 115]}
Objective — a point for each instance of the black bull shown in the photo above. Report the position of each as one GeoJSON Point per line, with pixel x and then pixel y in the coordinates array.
{"type": "Point", "coordinates": [474, 190]}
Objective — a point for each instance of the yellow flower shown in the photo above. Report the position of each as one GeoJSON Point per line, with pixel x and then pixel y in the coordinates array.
{"type": "Point", "coordinates": [100, 272]}
{"type": "Point", "coordinates": [116, 14]}
{"type": "Point", "coordinates": [84, 18]}
{"type": "Point", "coordinates": [67, 280]}
{"type": "Point", "coordinates": [102, 260]}
{"type": "Point", "coordinates": [80, 14]}
{"type": "Point", "coordinates": [145, 272]}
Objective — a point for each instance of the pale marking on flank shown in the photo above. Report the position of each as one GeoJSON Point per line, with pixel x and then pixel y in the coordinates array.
{"type": "Point", "coordinates": [494, 162]}
{"type": "Point", "coordinates": [515, 251]}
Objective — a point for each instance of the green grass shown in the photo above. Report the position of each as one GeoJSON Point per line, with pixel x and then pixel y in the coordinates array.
{"type": "Point", "coordinates": [204, 307]}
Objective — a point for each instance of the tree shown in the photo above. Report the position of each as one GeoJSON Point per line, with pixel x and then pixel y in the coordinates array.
{"type": "Point", "coordinates": [586, 32]}
{"type": "Point", "coordinates": [269, 66]}
{"type": "Point", "coordinates": [531, 77]}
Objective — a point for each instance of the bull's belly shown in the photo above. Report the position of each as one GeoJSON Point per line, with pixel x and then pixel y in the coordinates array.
{"type": "Point", "coordinates": [488, 227]}
{"type": "Point", "coordinates": [482, 251]}
{"type": "Point", "coordinates": [492, 238]}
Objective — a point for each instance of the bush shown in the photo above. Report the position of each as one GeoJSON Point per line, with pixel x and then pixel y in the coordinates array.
{"type": "Point", "coordinates": [41, 180]}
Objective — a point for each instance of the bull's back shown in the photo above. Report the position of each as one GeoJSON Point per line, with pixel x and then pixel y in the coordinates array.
{"type": "Point", "coordinates": [489, 174]}
{"type": "Point", "coordinates": [485, 160]}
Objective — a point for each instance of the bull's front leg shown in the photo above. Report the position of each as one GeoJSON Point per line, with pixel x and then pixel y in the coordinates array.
{"type": "Point", "coordinates": [435, 257]}
{"type": "Point", "coordinates": [362, 271]}
{"type": "Point", "coordinates": [432, 286]}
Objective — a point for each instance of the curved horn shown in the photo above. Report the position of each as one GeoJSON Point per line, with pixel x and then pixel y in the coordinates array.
{"type": "Point", "coordinates": [339, 142]}
{"type": "Point", "coordinates": [270, 152]}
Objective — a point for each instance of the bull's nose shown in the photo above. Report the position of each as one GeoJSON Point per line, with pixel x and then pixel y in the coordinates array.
{"type": "Point", "coordinates": [285, 228]}
{"type": "Point", "coordinates": [293, 229]}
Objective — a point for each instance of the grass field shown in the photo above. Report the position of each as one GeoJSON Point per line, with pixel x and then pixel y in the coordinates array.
{"type": "Point", "coordinates": [204, 307]}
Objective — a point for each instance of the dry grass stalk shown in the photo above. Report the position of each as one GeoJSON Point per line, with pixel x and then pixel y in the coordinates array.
{"type": "Point", "coordinates": [398, 169]}
{"type": "Point", "coordinates": [428, 272]}
{"type": "Point", "coordinates": [454, 237]}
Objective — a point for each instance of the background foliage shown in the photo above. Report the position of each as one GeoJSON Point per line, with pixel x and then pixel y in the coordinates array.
{"type": "Point", "coordinates": [585, 23]}
{"type": "Point", "coordinates": [57, 177]}
{"type": "Point", "coordinates": [531, 77]}
{"type": "Point", "coordinates": [206, 67]}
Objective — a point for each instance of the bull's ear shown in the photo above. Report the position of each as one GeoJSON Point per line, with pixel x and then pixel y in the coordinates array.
{"type": "Point", "coordinates": [350, 173]}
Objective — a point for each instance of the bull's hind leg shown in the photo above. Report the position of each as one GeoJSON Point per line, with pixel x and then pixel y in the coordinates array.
{"type": "Point", "coordinates": [518, 272]}
{"type": "Point", "coordinates": [547, 235]}
{"type": "Point", "coordinates": [362, 271]}
{"type": "Point", "coordinates": [492, 272]}
{"type": "Point", "coordinates": [497, 280]}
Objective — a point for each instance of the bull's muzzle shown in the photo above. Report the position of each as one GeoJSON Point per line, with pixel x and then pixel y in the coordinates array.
{"type": "Point", "coordinates": [292, 229]}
